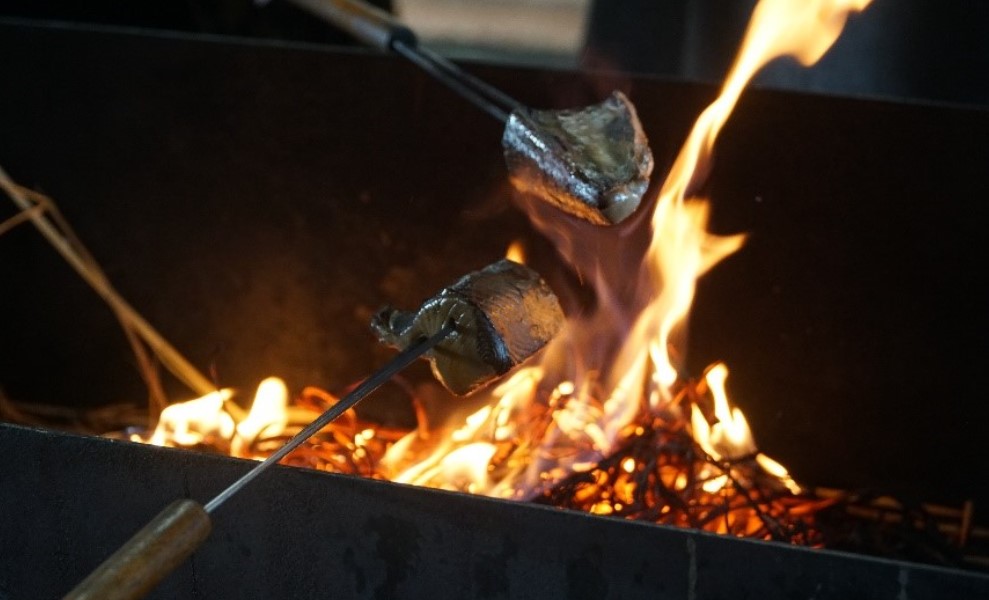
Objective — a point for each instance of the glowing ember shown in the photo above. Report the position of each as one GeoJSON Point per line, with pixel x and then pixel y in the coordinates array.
{"type": "Point", "coordinates": [605, 422]}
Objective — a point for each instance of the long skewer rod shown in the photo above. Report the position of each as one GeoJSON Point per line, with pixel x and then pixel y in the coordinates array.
{"type": "Point", "coordinates": [402, 360]}
{"type": "Point", "coordinates": [380, 29]}
{"type": "Point", "coordinates": [479, 93]}
{"type": "Point", "coordinates": [173, 535]}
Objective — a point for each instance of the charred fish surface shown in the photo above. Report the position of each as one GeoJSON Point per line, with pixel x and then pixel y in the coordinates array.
{"type": "Point", "coordinates": [592, 162]}
{"type": "Point", "coordinates": [503, 314]}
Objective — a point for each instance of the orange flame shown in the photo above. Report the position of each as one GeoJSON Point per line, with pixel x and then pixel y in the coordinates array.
{"type": "Point", "coordinates": [589, 408]}
{"type": "Point", "coordinates": [516, 252]}
{"type": "Point", "coordinates": [681, 249]}
{"type": "Point", "coordinates": [193, 422]}
{"type": "Point", "coordinates": [268, 414]}
{"type": "Point", "coordinates": [204, 419]}
{"type": "Point", "coordinates": [604, 370]}
{"type": "Point", "coordinates": [730, 437]}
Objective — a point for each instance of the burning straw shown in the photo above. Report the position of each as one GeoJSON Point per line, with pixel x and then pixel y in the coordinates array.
{"type": "Point", "coordinates": [658, 471]}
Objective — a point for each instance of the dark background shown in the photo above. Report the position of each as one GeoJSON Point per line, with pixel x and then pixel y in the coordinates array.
{"type": "Point", "coordinates": [926, 50]}
{"type": "Point", "coordinates": [277, 20]}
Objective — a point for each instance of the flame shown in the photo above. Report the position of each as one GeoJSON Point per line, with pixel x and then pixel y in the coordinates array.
{"type": "Point", "coordinates": [205, 419]}
{"type": "Point", "coordinates": [730, 437]}
{"type": "Point", "coordinates": [268, 414]}
{"type": "Point", "coordinates": [194, 422]}
{"type": "Point", "coordinates": [778, 471]}
{"type": "Point", "coordinates": [589, 409]}
{"type": "Point", "coordinates": [467, 467]}
{"type": "Point", "coordinates": [610, 376]}
{"type": "Point", "coordinates": [802, 29]}
{"type": "Point", "coordinates": [516, 252]}
{"type": "Point", "coordinates": [681, 249]}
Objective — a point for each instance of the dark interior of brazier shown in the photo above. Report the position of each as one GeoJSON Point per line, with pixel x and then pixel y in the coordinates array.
{"type": "Point", "coordinates": [257, 206]}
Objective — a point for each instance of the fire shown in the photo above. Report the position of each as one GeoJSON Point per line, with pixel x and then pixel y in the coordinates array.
{"type": "Point", "coordinates": [605, 421]}
{"type": "Point", "coordinates": [268, 414]}
{"type": "Point", "coordinates": [589, 406]}
{"type": "Point", "coordinates": [206, 420]}
{"type": "Point", "coordinates": [729, 438]}
{"type": "Point", "coordinates": [516, 252]}
{"type": "Point", "coordinates": [193, 422]}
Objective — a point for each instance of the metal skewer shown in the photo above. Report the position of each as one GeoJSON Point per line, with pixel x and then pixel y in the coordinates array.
{"type": "Point", "coordinates": [488, 98]}
{"type": "Point", "coordinates": [593, 162]}
{"type": "Point", "coordinates": [174, 534]}
{"type": "Point", "coordinates": [402, 360]}
{"type": "Point", "coordinates": [379, 29]}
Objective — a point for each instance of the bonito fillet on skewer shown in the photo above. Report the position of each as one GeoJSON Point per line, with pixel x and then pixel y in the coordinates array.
{"type": "Point", "coordinates": [503, 314]}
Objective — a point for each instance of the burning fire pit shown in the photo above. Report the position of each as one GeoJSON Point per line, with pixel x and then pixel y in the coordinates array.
{"type": "Point", "coordinates": [285, 222]}
{"type": "Point", "coordinates": [304, 533]}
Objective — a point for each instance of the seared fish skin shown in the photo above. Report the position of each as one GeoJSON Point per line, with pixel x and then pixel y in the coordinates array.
{"type": "Point", "coordinates": [592, 162]}
{"type": "Point", "coordinates": [503, 314]}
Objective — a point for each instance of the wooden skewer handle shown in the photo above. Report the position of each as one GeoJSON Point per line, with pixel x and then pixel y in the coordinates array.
{"type": "Point", "coordinates": [368, 23]}
{"type": "Point", "coordinates": [148, 557]}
